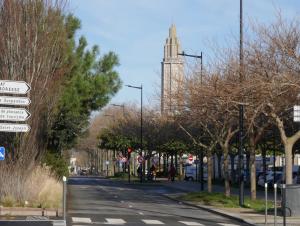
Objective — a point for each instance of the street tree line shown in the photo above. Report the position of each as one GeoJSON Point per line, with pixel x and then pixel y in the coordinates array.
{"type": "Point", "coordinates": [68, 81]}
{"type": "Point", "coordinates": [204, 116]}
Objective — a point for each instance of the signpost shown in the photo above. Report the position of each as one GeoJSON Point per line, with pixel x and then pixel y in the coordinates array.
{"type": "Point", "coordinates": [296, 113]}
{"type": "Point", "coordinates": [14, 114]}
{"type": "Point", "coordinates": [2, 153]}
{"type": "Point", "coordinates": [140, 159]}
{"type": "Point", "coordinates": [10, 113]}
{"type": "Point", "coordinates": [14, 87]}
{"type": "Point", "coordinates": [14, 128]}
{"type": "Point", "coordinates": [7, 100]}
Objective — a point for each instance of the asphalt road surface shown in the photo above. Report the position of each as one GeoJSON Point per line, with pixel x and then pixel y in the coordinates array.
{"type": "Point", "coordinates": [97, 201]}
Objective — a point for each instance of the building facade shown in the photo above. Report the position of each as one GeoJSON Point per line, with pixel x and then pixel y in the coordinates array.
{"type": "Point", "coordinates": [172, 70]}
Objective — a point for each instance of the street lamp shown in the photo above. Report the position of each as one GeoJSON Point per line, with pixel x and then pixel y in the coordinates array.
{"type": "Point", "coordinates": [141, 150]}
{"type": "Point", "coordinates": [194, 56]}
{"type": "Point", "coordinates": [201, 75]}
{"type": "Point", "coordinates": [120, 105]}
{"type": "Point", "coordinates": [241, 115]}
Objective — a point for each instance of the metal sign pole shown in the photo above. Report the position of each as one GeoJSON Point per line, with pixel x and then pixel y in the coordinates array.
{"type": "Point", "coordinates": [266, 204]}
{"type": "Point", "coordinates": [275, 204]}
{"type": "Point", "coordinates": [64, 197]}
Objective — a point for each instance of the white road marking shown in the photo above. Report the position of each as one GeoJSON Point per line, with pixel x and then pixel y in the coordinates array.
{"type": "Point", "coordinates": [81, 220]}
{"type": "Point", "coordinates": [190, 223]}
{"type": "Point", "coordinates": [228, 224]}
{"type": "Point", "coordinates": [152, 222]}
{"type": "Point", "coordinates": [59, 223]}
{"type": "Point", "coordinates": [130, 206]}
{"type": "Point", "coordinates": [141, 213]}
{"type": "Point", "coordinates": [114, 221]}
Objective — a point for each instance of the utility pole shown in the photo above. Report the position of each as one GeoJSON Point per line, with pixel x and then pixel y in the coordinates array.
{"type": "Point", "coordinates": [241, 115]}
{"type": "Point", "coordinates": [141, 132]}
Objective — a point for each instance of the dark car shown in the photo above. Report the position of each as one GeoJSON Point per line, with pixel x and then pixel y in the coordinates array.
{"type": "Point", "coordinates": [83, 172]}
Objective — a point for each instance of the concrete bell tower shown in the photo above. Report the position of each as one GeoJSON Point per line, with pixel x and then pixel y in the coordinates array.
{"type": "Point", "coordinates": [172, 73]}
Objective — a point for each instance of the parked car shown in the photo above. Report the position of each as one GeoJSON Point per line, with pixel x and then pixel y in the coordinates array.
{"type": "Point", "coordinates": [84, 172]}
{"type": "Point", "coordinates": [269, 178]}
{"type": "Point", "coordinates": [190, 172]}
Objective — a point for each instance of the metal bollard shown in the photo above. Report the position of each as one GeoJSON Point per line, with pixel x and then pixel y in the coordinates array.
{"type": "Point", "coordinates": [275, 204]}
{"type": "Point", "coordinates": [266, 204]}
{"type": "Point", "coordinates": [64, 197]}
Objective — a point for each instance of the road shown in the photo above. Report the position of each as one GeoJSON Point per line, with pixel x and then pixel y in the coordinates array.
{"type": "Point", "coordinates": [98, 201]}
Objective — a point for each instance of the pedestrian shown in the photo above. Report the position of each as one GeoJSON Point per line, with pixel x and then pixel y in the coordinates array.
{"type": "Point", "coordinates": [153, 171]}
{"type": "Point", "coordinates": [139, 171]}
{"type": "Point", "coordinates": [172, 173]}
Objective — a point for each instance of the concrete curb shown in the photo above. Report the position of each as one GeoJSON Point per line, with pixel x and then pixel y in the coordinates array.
{"type": "Point", "coordinates": [215, 211]}
{"type": "Point", "coordinates": [26, 211]}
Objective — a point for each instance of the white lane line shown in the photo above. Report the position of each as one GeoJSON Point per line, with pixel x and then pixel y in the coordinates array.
{"type": "Point", "coordinates": [152, 222]}
{"type": "Point", "coordinates": [81, 220]}
{"type": "Point", "coordinates": [114, 221]}
{"type": "Point", "coordinates": [190, 223]}
{"type": "Point", "coordinates": [141, 213]}
{"type": "Point", "coordinates": [223, 224]}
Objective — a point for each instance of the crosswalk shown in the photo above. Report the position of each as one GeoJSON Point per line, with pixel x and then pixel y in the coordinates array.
{"type": "Point", "coordinates": [118, 221]}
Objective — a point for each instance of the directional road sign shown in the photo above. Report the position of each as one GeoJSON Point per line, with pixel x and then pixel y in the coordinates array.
{"type": "Point", "coordinates": [14, 114]}
{"type": "Point", "coordinates": [2, 153]}
{"type": "Point", "coordinates": [23, 101]}
{"type": "Point", "coordinates": [14, 87]}
{"type": "Point", "coordinates": [296, 113]}
{"type": "Point", "coordinates": [140, 159]}
{"type": "Point", "coordinates": [14, 128]}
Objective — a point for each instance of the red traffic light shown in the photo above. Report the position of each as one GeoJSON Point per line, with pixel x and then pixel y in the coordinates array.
{"type": "Point", "coordinates": [129, 150]}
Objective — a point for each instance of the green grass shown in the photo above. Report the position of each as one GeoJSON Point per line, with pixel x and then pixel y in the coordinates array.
{"type": "Point", "coordinates": [220, 200]}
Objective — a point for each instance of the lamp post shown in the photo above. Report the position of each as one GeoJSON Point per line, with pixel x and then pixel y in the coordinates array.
{"type": "Point", "coordinates": [201, 75]}
{"type": "Point", "coordinates": [120, 105]}
{"type": "Point", "coordinates": [241, 114]}
{"type": "Point", "coordinates": [194, 56]}
{"type": "Point", "coordinates": [141, 132]}
{"type": "Point", "coordinates": [114, 151]}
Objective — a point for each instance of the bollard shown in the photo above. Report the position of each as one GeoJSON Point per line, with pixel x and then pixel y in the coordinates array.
{"type": "Point", "coordinates": [64, 197]}
{"type": "Point", "coordinates": [275, 204]}
{"type": "Point", "coordinates": [266, 205]}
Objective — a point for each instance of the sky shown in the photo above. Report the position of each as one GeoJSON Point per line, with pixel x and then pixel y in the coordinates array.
{"type": "Point", "coordinates": [137, 29]}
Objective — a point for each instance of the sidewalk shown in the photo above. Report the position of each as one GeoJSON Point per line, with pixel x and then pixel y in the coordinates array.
{"type": "Point", "coordinates": [242, 214]}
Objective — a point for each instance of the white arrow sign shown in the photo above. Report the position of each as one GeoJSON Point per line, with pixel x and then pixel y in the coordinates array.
{"type": "Point", "coordinates": [14, 87]}
{"type": "Point", "coordinates": [14, 128]}
{"type": "Point", "coordinates": [13, 114]}
{"type": "Point", "coordinates": [23, 101]}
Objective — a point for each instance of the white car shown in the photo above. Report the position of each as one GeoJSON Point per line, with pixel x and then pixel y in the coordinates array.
{"type": "Point", "coordinates": [190, 173]}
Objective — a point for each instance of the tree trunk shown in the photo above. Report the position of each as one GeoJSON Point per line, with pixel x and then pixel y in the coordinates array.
{"type": "Point", "coordinates": [226, 169]}
{"type": "Point", "coordinates": [232, 157]}
{"type": "Point", "coordinates": [252, 169]}
{"type": "Point", "coordinates": [219, 155]}
{"type": "Point", "coordinates": [209, 171]}
{"type": "Point", "coordinates": [176, 163]}
{"type": "Point", "coordinates": [180, 167]}
{"type": "Point", "coordinates": [288, 147]}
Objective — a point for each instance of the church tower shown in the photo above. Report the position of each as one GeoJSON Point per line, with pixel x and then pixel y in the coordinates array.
{"type": "Point", "coordinates": [172, 73]}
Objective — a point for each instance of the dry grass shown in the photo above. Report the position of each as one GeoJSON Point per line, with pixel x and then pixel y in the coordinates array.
{"type": "Point", "coordinates": [40, 189]}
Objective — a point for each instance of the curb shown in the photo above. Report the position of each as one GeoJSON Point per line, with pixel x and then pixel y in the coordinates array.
{"type": "Point", "coordinates": [215, 211]}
